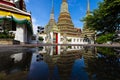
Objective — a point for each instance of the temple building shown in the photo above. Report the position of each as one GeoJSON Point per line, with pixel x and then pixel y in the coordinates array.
{"type": "Point", "coordinates": [15, 21]}
{"type": "Point", "coordinates": [88, 35]}
{"type": "Point", "coordinates": [51, 29]}
{"type": "Point", "coordinates": [63, 31]}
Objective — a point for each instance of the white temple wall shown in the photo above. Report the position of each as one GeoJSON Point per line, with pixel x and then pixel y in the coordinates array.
{"type": "Point", "coordinates": [25, 34]}
{"type": "Point", "coordinates": [51, 34]}
{"type": "Point", "coordinates": [51, 50]}
{"type": "Point", "coordinates": [21, 33]}
{"type": "Point", "coordinates": [74, 40]}
{"type": "Point", "coordinates": [58, 38]}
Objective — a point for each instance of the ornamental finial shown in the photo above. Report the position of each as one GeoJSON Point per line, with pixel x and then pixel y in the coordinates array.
{"type": "Point", "coordinates": [88, 7]}
{"type": "Point", "coordinates": [52, 7]}
{"type": "Point", "coordinates": [64, 0]}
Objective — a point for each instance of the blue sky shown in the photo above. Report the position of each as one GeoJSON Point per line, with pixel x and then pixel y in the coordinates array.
{"type": "Point", "coordinates": [41, 9]}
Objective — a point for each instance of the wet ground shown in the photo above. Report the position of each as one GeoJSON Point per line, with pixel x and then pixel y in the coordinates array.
{"type": "Point", "coordinates": [59, 63]}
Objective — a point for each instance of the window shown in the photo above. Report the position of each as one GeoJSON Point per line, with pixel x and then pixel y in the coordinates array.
{"type": "Point", "coordinates": [74, 40]}
{"type": "Point", "coordinates": [13, 26]}
{"type": "Point", "coordinates": [80, 40]}
{"type": "Point", "coordinates": [74, 47]}
{"type": "Point", "coordinates": [69, 40]}
{"type": "Point", "coordinates": [77, 40]}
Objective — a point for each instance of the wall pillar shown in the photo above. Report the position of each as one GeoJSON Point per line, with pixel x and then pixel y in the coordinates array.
{"type": "Point", "coordinates": [21, 34]}
{"type": "Point", "coordinates": [59, 48]}
{"type": "Point", "coordinates": [58, 38]}
{"type": "Point", "coordinates": [51, 40]}
{"type": "Point", "coordinates": [51, 50]}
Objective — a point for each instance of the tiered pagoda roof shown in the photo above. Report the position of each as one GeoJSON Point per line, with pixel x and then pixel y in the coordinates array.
{"type": "Point", "coordinates": [86, 30]}
{"type": "Point", "coordinates": [65, 23]}
{"type": "Point", "coordinates": [20, 4]}
{"type": "Point", "coordinates": [9, 10]}
{"type": "Point", "coordinates": [52, 25]}
{"type": "Point", "coordinates": [7, 2]}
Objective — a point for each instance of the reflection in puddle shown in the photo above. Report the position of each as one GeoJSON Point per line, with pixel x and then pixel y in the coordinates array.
{"type": "Point", "coordinates": [61, 63]}
{"type": "Point", "coordinates": [106, 66]}
{"type": "Point", "coordinates": [55, 64]}
{"type": "Point", "coordinates": [13, 65]}
{"type": "Point", "coordinates": [38, 70]}
{"type": "Point", "coordinates": [78, 71]}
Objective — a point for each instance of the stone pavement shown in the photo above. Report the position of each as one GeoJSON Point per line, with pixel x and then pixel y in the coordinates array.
{"type": "Point", "coordinates": [37, 45]}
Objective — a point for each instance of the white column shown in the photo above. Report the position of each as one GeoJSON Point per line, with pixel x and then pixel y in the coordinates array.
{"type": "Point", "coordinates": [58, 38]}
{"type": "Point", "coordinates": [51, 33]}
{"type": "Point", "coordinates": [20, 33]}
{"type": "Point", "coordinates": [59, 48]}
{"type": "Point", "coordinates": [51, 50]}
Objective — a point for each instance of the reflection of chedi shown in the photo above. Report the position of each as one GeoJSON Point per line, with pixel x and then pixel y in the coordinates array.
{"type": "Point", "coordinates": [63, 61]}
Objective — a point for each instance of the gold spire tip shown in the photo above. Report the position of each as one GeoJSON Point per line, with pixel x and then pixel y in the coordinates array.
{"type": "Point", "coordinates": [64, 0]}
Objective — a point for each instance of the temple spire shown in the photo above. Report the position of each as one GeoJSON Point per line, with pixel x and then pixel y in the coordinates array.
{"type": "Point", "coordinates": [64, 6]}
{"type": "Point", "coordinates": [52, 7]}
{"type": "Point", "coordinates": [64, 0]}
{"type": "Point", "coordinates": [52, 12]}
{"type": "Point", "coordinates": [88, 7]}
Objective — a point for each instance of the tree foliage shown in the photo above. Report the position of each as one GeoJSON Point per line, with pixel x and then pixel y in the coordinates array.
{"type": "Point", "coordinates": [106, 18]}
{"type": "Point", "coordinates": [40, 39]}
{"type": "Point", "coordinates": [6, 35]}
{"type": "Point", "coordinates": [104, 38]}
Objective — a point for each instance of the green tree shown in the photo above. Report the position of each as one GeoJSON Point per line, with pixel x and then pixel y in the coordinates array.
{"type": "Point", "coordinates": [40, 39]}
{"type": "Point", "coordinates": [106, 18]}
{"type": "Point", "coordinates": [104, 38]}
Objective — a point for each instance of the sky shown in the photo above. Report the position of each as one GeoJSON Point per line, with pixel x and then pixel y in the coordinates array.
{"type": "Point", "coordinates": [41, 9]}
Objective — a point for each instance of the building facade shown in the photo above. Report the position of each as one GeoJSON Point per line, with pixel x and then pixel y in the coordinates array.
{"type": "Point", "coordinates": [16, 20]}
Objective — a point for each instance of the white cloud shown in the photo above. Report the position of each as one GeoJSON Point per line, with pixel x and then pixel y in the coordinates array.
{"type": "Point", "coordinates": [35, 25]}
